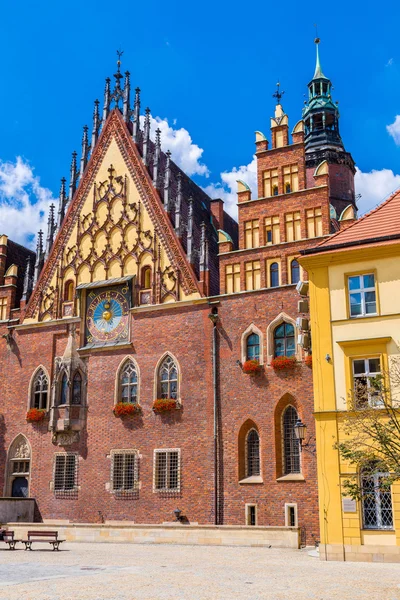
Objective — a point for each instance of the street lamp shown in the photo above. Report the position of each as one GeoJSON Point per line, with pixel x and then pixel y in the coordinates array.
{"type": "Point", "coordinates": [300, 431]}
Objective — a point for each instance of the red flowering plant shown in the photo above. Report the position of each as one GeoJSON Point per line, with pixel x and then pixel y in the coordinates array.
{"type": "Point", "coordinates": [251, 367]}
{"type": "Point", "coordinates": [283, 363]}
{"type": "Point", "coordinates": [123, 409]}
{"type": "Point", "coordinates": [308, 361]}
{"type": "Point", "coordinates": [164, 405]}
{"type": "Point", "coordinates": [35, 415]}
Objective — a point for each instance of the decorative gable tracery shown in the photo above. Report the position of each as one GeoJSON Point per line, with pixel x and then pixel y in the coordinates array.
{"type": "Point", "coordinates": [168, 279]}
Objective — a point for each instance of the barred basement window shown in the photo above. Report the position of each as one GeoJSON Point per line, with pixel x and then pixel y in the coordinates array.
{"type": "Point", "coordinates": [40, 389]}
{"type": "Point", "coordinates": [291, 446]}
{"type": "Point", "coordinates": [65, 472]}
{"type": "Point", "coordinates": [124, 471]}
{"type": "Point", "coordinates": [253, 453]}
{"type": "Point", "coordinates": [167, 470]}
{"type": "Point", "coordinates": [376, 499]}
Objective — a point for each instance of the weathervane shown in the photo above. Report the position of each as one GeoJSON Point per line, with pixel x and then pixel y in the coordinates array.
{"type": "Point", "coordinates": [317, 40]}
{"type": "Point", "coordinates": [278, 94]}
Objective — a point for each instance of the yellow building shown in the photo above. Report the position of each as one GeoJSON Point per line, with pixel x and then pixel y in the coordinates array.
{"type": "Point", "coordinates": [354, 290]}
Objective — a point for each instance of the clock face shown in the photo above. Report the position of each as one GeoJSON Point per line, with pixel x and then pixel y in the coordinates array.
{"type": "Point", "coordinates": [107, 316]}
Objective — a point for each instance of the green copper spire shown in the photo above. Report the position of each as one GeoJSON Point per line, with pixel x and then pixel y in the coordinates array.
{"type": "Point", "coordinates": [318, 71]}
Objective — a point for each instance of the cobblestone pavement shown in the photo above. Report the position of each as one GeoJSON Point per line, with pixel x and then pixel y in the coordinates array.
{"type": "Point", "coordinates": [168, 572]}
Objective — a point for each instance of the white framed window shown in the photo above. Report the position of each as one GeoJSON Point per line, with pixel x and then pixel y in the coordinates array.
{"type": "Point", "coordinates": [167, 467]}
{"type": "Point", "coordinates": [65, 476]}
{"type": "Point", "coordinates": [128, 383]}
{"type": "Point", "coordinates": [251, 514]}
{"type": "Point", "coordinates": [376, 499]}
{"type": "Point", "coordinates": [362, 295]}
{"type": "Point", "coordinates": [124, 471]}
{"type": "Point", "coordinates": [367, 382]}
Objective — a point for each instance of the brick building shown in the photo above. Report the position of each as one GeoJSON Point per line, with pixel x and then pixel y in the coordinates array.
{"type": "Point", "coordinates": [147, 297]}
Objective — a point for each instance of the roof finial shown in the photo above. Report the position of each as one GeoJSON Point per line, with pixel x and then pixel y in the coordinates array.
{"type": "Point", "coordinates": [278, 94]}
{"type": "Point", "coordinates": [318, 71]}
{"type": "Point", "coordinates": [146, 136]}
{"type": "Point", "coordinates": [127, 98]}
{"type": "Point", "coordinates": [96, 124]}
{"type": "Point", "coordinates": [136, 116]}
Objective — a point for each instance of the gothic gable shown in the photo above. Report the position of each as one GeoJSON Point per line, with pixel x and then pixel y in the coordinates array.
{"type": "Point", "coordinates": [115, 226]}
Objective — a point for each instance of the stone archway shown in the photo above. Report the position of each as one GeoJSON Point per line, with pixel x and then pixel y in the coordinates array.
{"type": "Point", "coordinates": [18, 468]}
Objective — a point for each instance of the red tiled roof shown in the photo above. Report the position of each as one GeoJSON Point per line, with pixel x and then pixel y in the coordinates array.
{"type": "Point", "coordinates": [381, 222]}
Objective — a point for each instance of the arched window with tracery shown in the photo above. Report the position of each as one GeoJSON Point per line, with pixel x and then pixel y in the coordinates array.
{"type": "Point", "coordinates": [291, 445]}
{"type": "Point", "coordinates": [252, 453]}
{"type": "Point", "coordinates": [253, 347]}
{"type": "Point", "coordinates": [40, 390]}
{"type": "Point", "coordinates": [274, 274]}
{"type": "Point", "coordinates": [284, 340]}
{"type": "Point", "coordinates": [294, 271]}
{"type": "Point", "coordinates": [376, 497]}
{"type": "Point", "coordinates": [63, 398]}
{"type": "Point", "coordinates": [77, 389]}
{"type": "Point", "coordinates": [128, 383]}
{"type": "Point", "coordinates": [168, 379]}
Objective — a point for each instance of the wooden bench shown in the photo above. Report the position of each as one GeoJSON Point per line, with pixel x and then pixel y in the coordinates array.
{"type": "Point", "coordinates": [50, 537]}
{"type": "Point", "coordinates": [8, 538]}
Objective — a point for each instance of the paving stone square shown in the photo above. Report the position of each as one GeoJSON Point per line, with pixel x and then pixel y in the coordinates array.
{"type": "Point", "coordinates": [171, 572]}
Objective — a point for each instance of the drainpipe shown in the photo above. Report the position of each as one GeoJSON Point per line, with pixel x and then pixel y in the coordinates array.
{"type": "Point", "coordinates": [213, 316]}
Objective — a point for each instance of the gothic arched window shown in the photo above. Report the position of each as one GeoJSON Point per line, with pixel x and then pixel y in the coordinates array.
{"type": "Point", "coordinates": [291, 445]}
{"type": "Point", "coordinates": [253, 347]}
{"type": "Point", "coordinates": [168, 379]}
{"type": "Point", "coordinates": [128, 383]}
{"type": "Point", "coordinates": [253, 453]}
{"type": "Point", "coordinates": [77, 388]}
{"type": "Point", "coordinates": [40, 390]}
{"type": "Point", "coordinates": [376, 498]}
{"type": "Point", "coordinates": [274, 274]}
{"type": "Point", "coordinates": [294, 271]}
{"type": "Point", "coordinates": [284, 342]}
{"type": "Point", "coordinates": [64, 390]}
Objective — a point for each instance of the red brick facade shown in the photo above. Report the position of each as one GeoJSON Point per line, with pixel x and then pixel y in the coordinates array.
{"type": "Point", "coordinates": [211, 422]}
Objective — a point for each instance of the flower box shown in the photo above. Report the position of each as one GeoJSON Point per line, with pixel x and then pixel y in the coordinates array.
{"type": "Point", "coordinates": [251, 367]}
{"type": "Point", "coordinates": [164, 405]}
{"type": "Point", "coordinates": [123, 409]}
{"type": "Point", "coordinates": [284, 363]}
{"type": "Point", "coordinates": [308, 361]}
{"type": "Point", "coordinates": [35, 415]}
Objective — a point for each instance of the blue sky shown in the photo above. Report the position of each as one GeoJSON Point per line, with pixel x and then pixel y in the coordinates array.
{"type": "Point", "coordinates": [209, 68]}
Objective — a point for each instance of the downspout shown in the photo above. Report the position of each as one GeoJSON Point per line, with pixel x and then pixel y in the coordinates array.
{"type": "Point", "coordinates": [213, 316]}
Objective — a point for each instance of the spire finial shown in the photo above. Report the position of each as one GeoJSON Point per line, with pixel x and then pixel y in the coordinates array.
{"type": "Point", "coordinates": [278, 94]}
{"type": "Point", "coordinates": [96, 124]}
{"type": "Point", "coordinates": [62, 203]}
{"type": "Point", "coordinates": [318, 71]}
{"type": "Point", "coordinates": [136, 116]}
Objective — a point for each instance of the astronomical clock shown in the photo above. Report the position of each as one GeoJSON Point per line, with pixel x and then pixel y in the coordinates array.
{"type": "Point", "coordinates": [107, 315]}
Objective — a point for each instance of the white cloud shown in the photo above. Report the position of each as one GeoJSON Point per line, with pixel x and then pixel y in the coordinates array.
{"type": "Point", "coordinates": [374, 187]}
{"type": "Point", "coordinates": [24, 203]}
{"type": "Point", "coordinates": [184, 152]}
{"type": "Point", "coordinates": [226, 189]}
{"type": "Point", "coordinates": [390, 62]}
{"type": "Point", "coordinates": [394, 130]}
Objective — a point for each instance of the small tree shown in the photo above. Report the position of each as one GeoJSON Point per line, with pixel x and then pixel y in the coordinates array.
{"type": "Point", "coordinates": [371, 428]}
